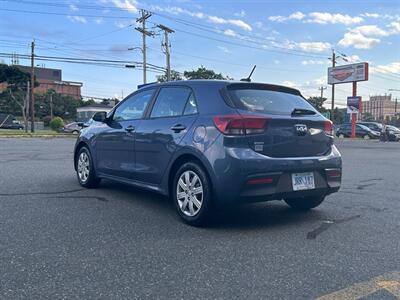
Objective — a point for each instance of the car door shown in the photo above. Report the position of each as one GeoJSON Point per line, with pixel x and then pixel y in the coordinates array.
{"type": "Point", "coordinates": [115, 142]}
{"type": "Point", "coordinates": [158, 136]}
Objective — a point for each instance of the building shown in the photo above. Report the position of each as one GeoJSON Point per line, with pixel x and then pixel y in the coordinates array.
{"type": "Point", "coordinates": [51, 79]}
{"type": "Point", "coordinates": [381, 107]}
{"type": "Point", "coordinates": [85, 113]}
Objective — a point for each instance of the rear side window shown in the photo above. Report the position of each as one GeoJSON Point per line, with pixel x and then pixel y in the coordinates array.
{"type": "Point", "coordinates": [170, 102]}
{"type": "Point", "coordinates": [268, 101]}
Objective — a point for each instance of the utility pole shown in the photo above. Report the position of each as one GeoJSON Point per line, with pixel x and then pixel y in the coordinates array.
{"type": "Point", "coordinates": [145, 15]}
{"type": "Point", "coordinates": [167, 46]}
{"type": "Point", "coordinates": [27, 100]}
{"type": "Point", "coordinates": [32, 106]}
{"type": "Point", "coordinates": [322, 88]}
{"type": "Point", "coordinates": [333, 87]}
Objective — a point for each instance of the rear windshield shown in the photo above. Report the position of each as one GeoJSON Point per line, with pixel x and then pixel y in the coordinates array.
{"type": "Point", "coordinates": [267, 101]}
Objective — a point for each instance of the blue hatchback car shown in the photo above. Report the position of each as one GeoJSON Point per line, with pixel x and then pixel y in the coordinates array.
{"type": "Point", "coordinates": [206, 143]}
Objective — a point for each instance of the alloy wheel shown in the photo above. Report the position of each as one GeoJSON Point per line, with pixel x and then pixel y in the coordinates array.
{"type": "Point", "coordinates": [83, 167]}
{"type": "Point", "coordinates": [189, 193]}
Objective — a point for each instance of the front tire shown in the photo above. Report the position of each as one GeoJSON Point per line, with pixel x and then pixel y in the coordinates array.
{"type": "Point", "coordinates": [366, 137]}
{"type": "Point", "coordinates": [85, 169]}
{"type": "Point", "coordinates": [341, 136]}
{"type": "Point", "coordinates": [191, 194]}
{"type": "Point", "coordinates": [305, 203]}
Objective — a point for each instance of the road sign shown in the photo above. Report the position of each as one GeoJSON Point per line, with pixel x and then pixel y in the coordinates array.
{"type": "Point", "coordinates": [348, 73]}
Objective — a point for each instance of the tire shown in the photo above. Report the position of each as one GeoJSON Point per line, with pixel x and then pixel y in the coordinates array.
{"type": "Point", "coordinates": [193, 203]}
{"type": "Point", "coordinates": [366, 137]}
{"type": "Point", "coordinates": [341, 136]}
{"type": "Point", "coordinates": [84, 169]}
{"type": "Point", "coordinates": [305, 203]}
{"type": "Point", "coordinates": [75, 132]}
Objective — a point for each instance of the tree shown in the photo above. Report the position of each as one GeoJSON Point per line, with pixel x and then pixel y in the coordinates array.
{"type": "Point", "coordinates": [174, 76]}
{"type": "Point", "coordinates": [203, 73]}
{"type": "Point", "coordinates": [318, 103]}
{"type": "Point", "coordinates": [367, 116]}
{"type": "Point", "coordinates": [16, 93]}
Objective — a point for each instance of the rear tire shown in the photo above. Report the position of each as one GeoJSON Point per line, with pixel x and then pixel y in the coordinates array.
{"type": "Point", "coordinates": [366, 137]}
{"type": "Point", "coordinates": [85, 170]}
{"type": "Point", "coordinates": [75, 132]}
{"type": "Point", "coordinates": [341, 136]}
{"type": "Point", "coordinates": [191, 194]}
{"type": "Point", "coordinates": [305, 203]}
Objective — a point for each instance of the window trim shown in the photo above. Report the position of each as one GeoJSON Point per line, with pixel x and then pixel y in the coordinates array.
{"type": "Point", "coordinates": [172, 86]}
{"type": "Point", "coordinates": [112, 112]}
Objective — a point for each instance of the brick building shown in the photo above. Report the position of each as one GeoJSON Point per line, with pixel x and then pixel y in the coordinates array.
{"type": "Point", "coordinates": [381, 107]}
{"type": "Point", "coordinates": [52, 79]}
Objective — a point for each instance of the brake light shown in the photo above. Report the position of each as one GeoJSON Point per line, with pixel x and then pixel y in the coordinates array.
{"type": "Point", "coordinates": [328, 127]}
{"type": "Point", "coordinates": [240, 124]}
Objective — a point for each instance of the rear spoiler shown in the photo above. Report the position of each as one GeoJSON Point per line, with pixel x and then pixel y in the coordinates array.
{"type": "Point", "coordinates": [263, 86]}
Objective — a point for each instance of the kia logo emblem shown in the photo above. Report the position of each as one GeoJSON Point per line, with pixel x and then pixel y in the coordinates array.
{"type": "Point", "coordinates": [301, 129]}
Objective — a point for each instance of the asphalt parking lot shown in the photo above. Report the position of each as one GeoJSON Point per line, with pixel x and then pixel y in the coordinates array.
{"type": "Point", "coordinates": [58, 240]}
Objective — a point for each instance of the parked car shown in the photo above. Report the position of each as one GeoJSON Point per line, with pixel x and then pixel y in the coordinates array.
{"type": "Point", "coordinates": [8, 121]}
{"type": "Point", "coordinates": [73, 128]}
{"type": "Point", "coordinates": [209, 143]}
{"type": "Point", "coordinates": [13, 125]}
{"type": "Point", "coordinates": [361, 132]}
{"type": "Point", "coordinates": [375, 126]}
{"type": "Point", "coordinates": [393, 133]}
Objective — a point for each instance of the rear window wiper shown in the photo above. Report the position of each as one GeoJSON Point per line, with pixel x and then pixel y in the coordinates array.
{"type": "Point", "coordinates": [302, 111]}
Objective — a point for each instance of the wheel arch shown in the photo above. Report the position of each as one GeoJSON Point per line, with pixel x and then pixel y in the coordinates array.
{"type": "Point", "coordinates": [182, 158]}
{"type": "Point", "coordinates": [78, 147]}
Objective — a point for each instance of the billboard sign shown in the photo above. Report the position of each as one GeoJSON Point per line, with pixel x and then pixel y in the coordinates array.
{"type": "Point", "coordinates": [353, 105]}
{"type": "Point", "coordinates": [348, 73]}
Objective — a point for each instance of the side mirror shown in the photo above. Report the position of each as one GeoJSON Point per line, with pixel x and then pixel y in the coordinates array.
{"type": "Point", "coordinates": [100, 116]}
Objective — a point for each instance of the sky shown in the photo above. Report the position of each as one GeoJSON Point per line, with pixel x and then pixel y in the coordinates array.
{"type": "Point", "coordinates": [289, 41]}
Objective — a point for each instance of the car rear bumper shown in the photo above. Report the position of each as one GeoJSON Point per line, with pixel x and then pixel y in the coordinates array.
{"type": "Point", "coordinates": [245, 175]}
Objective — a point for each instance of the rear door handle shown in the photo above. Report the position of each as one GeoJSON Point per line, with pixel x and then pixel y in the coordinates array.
{"type": "Point", "coordinates": [178, 128]}
{"type": "Point", "coordinates": [130, 128]}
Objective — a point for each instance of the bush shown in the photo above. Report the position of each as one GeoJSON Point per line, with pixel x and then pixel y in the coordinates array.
{"type": "Point", "coordinates": [56, 124]}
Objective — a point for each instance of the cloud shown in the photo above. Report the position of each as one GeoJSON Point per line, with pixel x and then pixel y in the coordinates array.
{"type": "Point", "coordinates": [290, 84]}
{"type": "Point", "coordinates": [77, 19]}
{"type": "Point", "coordinates": [358, 41]}
{"type": "Point", "coordinates": [224, 49]}
{"type": "Point", "coordinates": [370, 31]}
{"type": "Point", "coordinates": [230, 32]}
{"type": "Point", "coordinates": [235, 22]}
{"type": "Point", "coordinates": [297, 16]}
{"type": "Point", "coordinates": [318, 17]}
{"type": "Point", "coordinates": [240, 14]}
{"type": "Point", "coordinates": [395, 27]}
{"type": "Point", "coordinates": [367, 36]}
{"type": "Point", "coordinates": [98, 21]}
{"type": "Point", "coordinates": [128, 5]}
{"type": "Point", "coordinates": [328, 18]}
{"type": "Point", "coordinates": [371, 15]}
{"type": "Point", "coordinates": [313, 46]}
{"type": "Point", "coordinates": [73, 7]}
{"type": "Point", "coordinates": [393, 67]}
{"type": "Point", "coordinates": [122, 24]}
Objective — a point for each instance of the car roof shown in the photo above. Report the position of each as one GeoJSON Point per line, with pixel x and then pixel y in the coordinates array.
{"type": "Point", "coordinates": [216, 83]}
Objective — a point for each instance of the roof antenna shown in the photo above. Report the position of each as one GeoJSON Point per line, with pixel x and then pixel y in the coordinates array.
{"type": "Point", "coordinates": [248, 79]}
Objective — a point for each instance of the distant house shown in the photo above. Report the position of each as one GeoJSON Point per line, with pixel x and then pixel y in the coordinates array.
{"type": "Point", "coordinates": [85, 113]}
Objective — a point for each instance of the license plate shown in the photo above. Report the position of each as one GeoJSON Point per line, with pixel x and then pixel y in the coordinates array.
{"type": "Point", "coordinates": [303, 181]}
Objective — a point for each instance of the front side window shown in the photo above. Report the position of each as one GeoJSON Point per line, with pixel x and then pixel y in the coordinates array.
{"type": "Point", "coordinates": [170, 102]}
{"type": "Point", "coordinates": [133, 108]}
